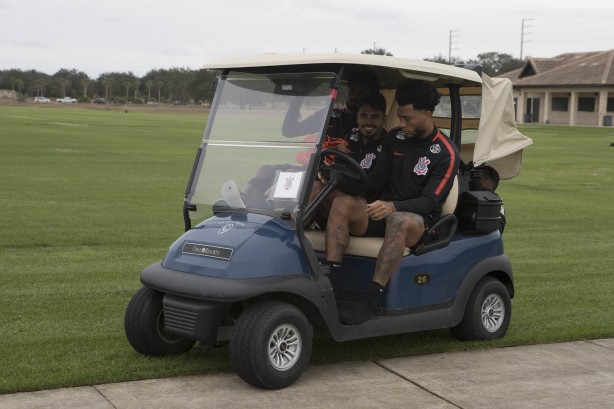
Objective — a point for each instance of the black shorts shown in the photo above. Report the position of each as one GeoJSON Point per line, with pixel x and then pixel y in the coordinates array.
{"type": "Point", "coordinates": [377, 228]}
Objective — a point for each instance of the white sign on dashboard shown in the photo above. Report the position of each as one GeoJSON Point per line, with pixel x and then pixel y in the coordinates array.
{"type": "Point", "coordinates": [288, 184]}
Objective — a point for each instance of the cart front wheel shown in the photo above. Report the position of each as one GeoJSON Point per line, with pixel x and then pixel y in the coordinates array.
{"type": "Point", "coordinates": [271, 344]}
{"type": "Point", "coordinates": [144, 326]}
{"type": "Point", "coordinates": [488, 312]}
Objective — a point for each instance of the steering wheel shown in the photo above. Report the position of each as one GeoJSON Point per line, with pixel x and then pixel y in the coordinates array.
{"type": "Point", "coordinates": [345, 173]}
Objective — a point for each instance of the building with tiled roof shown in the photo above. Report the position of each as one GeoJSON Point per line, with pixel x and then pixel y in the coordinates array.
{"type": "Point", "coordinates": [570, 89]}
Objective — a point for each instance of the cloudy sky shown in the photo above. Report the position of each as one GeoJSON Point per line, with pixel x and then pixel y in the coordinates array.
{"type": "Point", "coordinates": [97, 36]}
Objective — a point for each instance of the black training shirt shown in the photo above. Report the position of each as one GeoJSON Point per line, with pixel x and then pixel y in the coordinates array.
{"type": "Point", "coordinates": [415, 174]}
{"type": "Point", "coordinates": [365, 155]}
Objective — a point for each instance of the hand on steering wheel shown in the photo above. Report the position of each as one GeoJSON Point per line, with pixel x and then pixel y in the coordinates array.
{"type": "Point", "coordinates": [345, 173]}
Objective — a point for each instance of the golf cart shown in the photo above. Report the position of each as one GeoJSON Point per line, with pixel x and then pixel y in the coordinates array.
{"type": "Point", "coordinates": [249, 273]}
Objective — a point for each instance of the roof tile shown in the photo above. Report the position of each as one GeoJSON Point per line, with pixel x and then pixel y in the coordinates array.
{"type": "Point", "coordinates": [571, 69]}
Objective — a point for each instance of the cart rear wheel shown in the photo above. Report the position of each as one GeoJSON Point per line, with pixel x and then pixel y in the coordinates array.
{"type": "Point", "coordinates": [488, 312]}
{"type": "Point", "coordinates": [271, 344]}
{"type": "Point", "coordinates": [144, 326]}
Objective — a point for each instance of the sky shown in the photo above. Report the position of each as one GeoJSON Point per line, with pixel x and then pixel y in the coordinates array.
{"type": "Point", "coordinates": [98, 36]}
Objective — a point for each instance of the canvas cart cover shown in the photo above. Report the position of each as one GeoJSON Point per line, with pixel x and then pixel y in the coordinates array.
{"type": "Point", "coordinates": [499, 143]}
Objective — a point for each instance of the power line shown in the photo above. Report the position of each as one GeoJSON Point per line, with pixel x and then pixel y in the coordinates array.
{"type": "Point", "coordinates": [522, 34]}
{"type": "Point", "coordinates": [450, 46]}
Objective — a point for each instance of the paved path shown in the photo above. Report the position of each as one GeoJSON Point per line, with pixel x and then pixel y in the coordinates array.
{"type": "Point", "coordinates": [566, 375]}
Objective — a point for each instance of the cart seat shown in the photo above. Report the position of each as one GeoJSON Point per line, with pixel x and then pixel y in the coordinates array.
{"type": "Point", "coordinates": [370, 246]}
{"type": "Point", "coordinates": [359, 246]}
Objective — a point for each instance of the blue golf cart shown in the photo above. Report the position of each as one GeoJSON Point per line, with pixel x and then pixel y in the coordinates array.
{"type": "Point", "coordinates": [248, 272]}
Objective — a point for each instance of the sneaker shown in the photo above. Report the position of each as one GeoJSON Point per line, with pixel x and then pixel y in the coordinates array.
{"type": "Point", "coordinates": [357, 314]}
{"type": "Point", "coordinates": [365, 306]}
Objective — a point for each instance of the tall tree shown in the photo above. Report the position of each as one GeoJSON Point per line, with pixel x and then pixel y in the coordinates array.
{"type": "Point", "coordinates": [201, 87]}
{"type": "Point", "coordinates": [444, 60]}
{"type": "Point", "coordinates": [107, 82]}
{"type": "Point", "coordinates": [136, 84]}
{"type": "Point", "coordinates": [40, 87]}
{"type": "Point", "coordinates": [149, 84]}
{"type": "Point", "coordinates": [159, 84]}
{"type": "Point", "coordinates": [63, 84]}
{"type": "Point", "coordinates": [494, 63]}
{"type": "Point", "coordinates": [127, 85]}
{"type": "Point", "coordinates": [20, 84]}
{"type": "Point", "coordinates": [67, 82]}
{"type": "Point", "coordinates": [85, 81]}
{"type": "Point", "coordinates": [14, 81]}
{"type": "Point", "coordinates": [376, 51]}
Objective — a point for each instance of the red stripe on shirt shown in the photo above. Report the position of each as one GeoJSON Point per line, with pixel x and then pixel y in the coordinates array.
{"type": "Point", "coordinates": [450, 169]}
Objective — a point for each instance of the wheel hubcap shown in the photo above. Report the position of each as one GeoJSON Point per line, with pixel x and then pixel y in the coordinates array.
{"type": "Point", "coordinates": [493, 312]}
{"type": "Point", "coordinates": [284, 347]}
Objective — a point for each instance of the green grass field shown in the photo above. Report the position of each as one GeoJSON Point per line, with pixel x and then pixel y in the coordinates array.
{"type": "Point", "coordinates": [89, 197]}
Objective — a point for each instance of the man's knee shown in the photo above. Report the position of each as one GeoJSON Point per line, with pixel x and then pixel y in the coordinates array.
{"type": "Point", "coordinates": [407, 224]}
{"type": "Point", "coordinates": [351, 210]}
{"type": "Point", "coordinates": [344, 203]}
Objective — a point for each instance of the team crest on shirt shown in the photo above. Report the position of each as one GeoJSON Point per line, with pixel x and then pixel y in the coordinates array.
{"type": "Point", "coordinates": [367, 161]}
{"type": "Point", "coordinates": [435, 148]}
{"type": "Point", "coordinates": [422, 167]}
{"type": "Point", "coordinates": [400, 134]}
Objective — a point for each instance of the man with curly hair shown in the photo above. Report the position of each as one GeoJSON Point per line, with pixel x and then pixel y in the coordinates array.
{"type": "Point", "coordinates": [412, 178]}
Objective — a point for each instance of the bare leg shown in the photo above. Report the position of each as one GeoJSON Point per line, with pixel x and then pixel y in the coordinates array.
{"type": "Point", "coordinates": [324, 207]}
{"type": "Point", "coordinates": [347, 215]}
{"type": "Point", "coordinates": [402, 230]}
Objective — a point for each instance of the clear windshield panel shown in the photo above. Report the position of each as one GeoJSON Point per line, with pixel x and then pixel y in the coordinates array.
{"type": "Point", "coordinates": [471, 105]}
{"type": "Point", "coordinates": [261, 135]}
{"type": "Point", "coordinates": [443, 113]}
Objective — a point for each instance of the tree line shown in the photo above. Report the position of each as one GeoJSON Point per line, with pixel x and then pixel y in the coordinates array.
{"type": "Point", "coordinates": [177, 85]}
{"type": "Point", "coordinates": [493, 63]}
{"type": "Point", "coordinates": [180, 85]}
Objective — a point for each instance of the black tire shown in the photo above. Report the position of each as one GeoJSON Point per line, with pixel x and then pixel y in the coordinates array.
{"type": "Point", "coordinates": [144, 326]}
{"type": "Point", "coordinates": [488, 312]}
{"type": "Point", "coordinates": [271, 344]}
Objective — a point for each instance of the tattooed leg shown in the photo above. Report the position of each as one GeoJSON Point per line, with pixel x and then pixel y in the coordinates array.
{"type": "Point", "coordinates": [347, 214]}
{"type": "Point", "coordinates": [402, 230]}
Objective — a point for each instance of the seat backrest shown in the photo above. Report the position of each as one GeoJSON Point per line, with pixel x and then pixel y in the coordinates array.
{"type": "Point", "coordinates": [449, 205]}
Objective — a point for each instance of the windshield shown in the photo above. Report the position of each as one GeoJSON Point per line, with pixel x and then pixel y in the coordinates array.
{"type": "Point", "coordinates": [259, 139]}
{"type": "Point", "coordinates": [470, 107]}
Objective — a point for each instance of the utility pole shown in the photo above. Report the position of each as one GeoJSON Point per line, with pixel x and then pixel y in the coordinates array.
{"type": "Point", "coordinates": [450, 46]}
{"type": "Point", "coordinates": [522, 34]}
